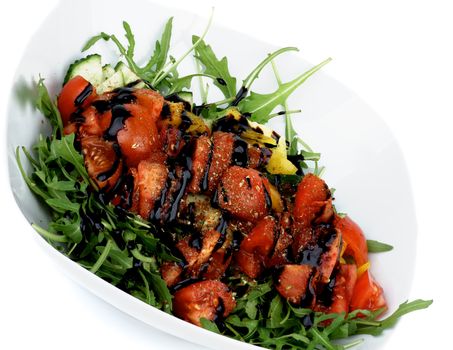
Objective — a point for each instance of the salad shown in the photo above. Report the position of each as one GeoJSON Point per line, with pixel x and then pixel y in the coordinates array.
{"type": "Point", "coordinates": [197, 207]}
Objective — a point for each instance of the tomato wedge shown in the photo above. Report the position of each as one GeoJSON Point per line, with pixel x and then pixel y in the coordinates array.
{"type": "Point", "coordinates": [311, 196]}
{"type": "Point", "coordinates": [368, 294]}
{"type": "Point", "coordinates": [76, 93]}
{"type": "Point", "coordinates": [256, 247]}
{"type": "Point", "coordinates": [206, 299]}
{"type": "Point", "coordinates": [244, 193]}
{"type": "Point", "coordinates": [101, 160]}
{"type": "Point", "coordinates": [354, 238]}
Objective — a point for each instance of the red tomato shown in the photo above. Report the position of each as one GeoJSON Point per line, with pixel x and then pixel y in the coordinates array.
{"type": "Point", "coordinates": [151, 179]}
{"type": "Point", "coordinates": [76, 93]}
{"type": "Point", "coordinates": [171, 272]}
{"type": "Point", "coordinates": [293, 282]}
{"type": "Point", "coordinates": [345, 281]}
{"type": "Point", "coordinates": [101, 161]}
{"type": "Point", "coordinates": [312, 195]}
{"type": "Point", "coordinates": [244, 193]}
{"type": "Point", "coordinates": [368, 294]}
{"type": "Point", "coordinates": [206, 299]}
{"type": "Point", "coordinates": [200, 159]}
{"type": "Point", "coordinates": [218, 263]}
{"type": "Point", "coordinates": [354, 238]}
{"type": "Point", "coordinates": [221, 157]}
{"type": "Point", "coordinates": [256, 247]}
{"type": "Point", "coordinates": [139, 138]}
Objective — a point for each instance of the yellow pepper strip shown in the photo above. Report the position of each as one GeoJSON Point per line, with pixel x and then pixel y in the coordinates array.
{"type": "Point", "coordinates": [343, 248]}
{"type": "Point", "coordinates": [362, 269]}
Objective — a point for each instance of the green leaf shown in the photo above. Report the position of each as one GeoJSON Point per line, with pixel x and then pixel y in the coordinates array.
{"type": "Point", "coordinates": [255, 72]}
{"type": "Point", "coordinates": [390, 321]}
{"type": "Point", "coordinates": [47, 107]}
{"type": "Point", "coordinates": [163, 46]}
{"type": "Point", "coordinates": [93, 40]}
{"type": "Point", "coordinates": [377, 247]}
{"type": "Point", "coordinates": [275, 312]}
{"type": "Point", "coordinates": [64, 148]}
{"type": "Point", "coordinates": [251, 309]}
{"type": "Point", "coordinates": [209, 325]}
{"type": "Point", "coordinates": [70, 229]}
{"type": "Point", "coordinates": [160, 287]}
{"type": "Point", "coordinates": [130, 39]}
{"type": "Point", "coordinates": [63, 205]}
{"type": "Point", "coordinates": [260, 106]}
{"type": "Point", "coordinates": [215, 67]}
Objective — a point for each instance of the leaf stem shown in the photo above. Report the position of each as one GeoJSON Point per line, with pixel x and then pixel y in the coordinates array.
{"type": "Point", "coordinates": [163, 73]}
{"type": "Point", "coordinates": [102, 257]}
{"type": "Point", "coordinates": [52, 236]}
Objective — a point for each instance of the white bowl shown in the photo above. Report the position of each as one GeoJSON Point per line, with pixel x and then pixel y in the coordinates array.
{"type": "Point", "coordinates": [363, 160]}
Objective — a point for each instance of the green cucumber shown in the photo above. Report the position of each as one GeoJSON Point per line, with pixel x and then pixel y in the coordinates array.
{"type": "Point", "coordinates": [89, 68]}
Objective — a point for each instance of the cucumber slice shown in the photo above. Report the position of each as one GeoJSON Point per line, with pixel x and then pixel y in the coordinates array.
{"type": "Point", "coordinates": [128, 75]}
{"type": "Point", "coordinates": [115, 81]}
{"type": "Point", "coordinates": [89, 68]}
{"type": "Point", "coordinates": [107, 71]}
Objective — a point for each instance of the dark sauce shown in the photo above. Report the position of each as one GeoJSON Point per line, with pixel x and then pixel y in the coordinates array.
{"type": "Point", "coordinates": [325, 296]}
{"type": "Point", "coordinates": [242, 93]}
{"type": "Point", "coordinates": [184, 283]}
{"type": "Point", "coordinates": [221, 228]}
{"type": "Point", "coordinates": [219, 311]}
{"type": "Point", "coordinates": [297, 160]}
{"type": "Point", "coordinates": [174, 207]}
{"type": "Point", "coordinates": [308, 320]}
{"type": "Point", "coordinates": [83, 95]}
{"type": "Point", "coordinates": [107, 174]}
{"type": "Point", "coordinates": [221, 81]}
{"type": "Point", "coordinates": [325, 235]}
{"type": "Point", "coordinates": [239, 156]}
{"type": "Point", "coordinates": [117, 236]}
{"type": "Point", "coordinates": [267, 197]}
{"type": "Point", "coordinates": [205, 181]}
{"type": "Point", "coordinates": [119, 116]}
{"type": "Point", "coordinates": [186, 122]}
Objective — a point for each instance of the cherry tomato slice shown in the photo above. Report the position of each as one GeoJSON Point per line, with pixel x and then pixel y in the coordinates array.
{"type": "Point", "coordinates": [368, 294]}
{"type": "Point", "coordinates": [354, 238]}
{"type": "Point", "coordinates": [76, 93]}
{"type": "Point", "coordinates": [311, 196]}
{"type": "Point", "coordinates": [101, 160]}
{"type": "Point", "coordinates": [244, 193]}
{"type": "Point", "coordinates": [293, 282]}
{"type": "Point", "coordinates": [206, 299]}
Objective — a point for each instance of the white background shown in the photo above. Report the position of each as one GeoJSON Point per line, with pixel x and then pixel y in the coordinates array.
{"type": "Point", "coordinates": [397, 55]}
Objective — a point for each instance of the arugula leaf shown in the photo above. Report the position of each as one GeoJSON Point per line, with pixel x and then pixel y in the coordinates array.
{"type": "Point", "coordinates": [215, 67]}
{"type": "Point", "coordinates": [47, 107]}
{"type": "Point", "coordinates": [209, 325]}
{"type": "Point", "coordinates": [64, 148]}
{"type": "Point", "coordinates": [260, 106]}
{"type": "Point", "coordinates": [377, 247]}
{"type": "Point", "coordinates": [390, 321]}
{"type": "Point", "coordinates": [130, 39]}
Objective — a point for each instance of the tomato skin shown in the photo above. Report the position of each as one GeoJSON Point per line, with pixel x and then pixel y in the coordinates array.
{"type": "Point", "coordinates": [255, 248]}
{"type": "Point", "coordinates": [200, 160]}
{"type": "Point", "coordinates": [221, 157]}
{"type": "Point", "coordinates": [100, 158]}
{"type": "Point", "coordinates": [68, 103]}
{"type": "Point", "coordinates": [354, 238]}
{"type": "Point", "coordinates": [150, 180]}
{"type": "Point", "coordinates": [202, 299]}
{"type": "Point", "coordinates": [139, 138]}
{"type": "Point", "coordinates": [293, 282]}
{"type": "Point", "coordinates": [242, 192]}
{"type": "Point", "coordinates": [345, 280]}
{"type": "Point", "coordinates": [368, 294]}
{"type": "Point", "coordinates": [311, 196]}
